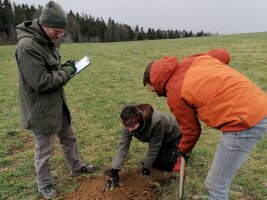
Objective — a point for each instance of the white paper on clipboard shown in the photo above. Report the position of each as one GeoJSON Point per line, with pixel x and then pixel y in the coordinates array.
{"type": "Point", "coordinates": [80, 65]}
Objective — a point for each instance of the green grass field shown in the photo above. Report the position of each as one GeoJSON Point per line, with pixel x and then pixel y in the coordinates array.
{"type": "Point", "coordinates": [96, 97]}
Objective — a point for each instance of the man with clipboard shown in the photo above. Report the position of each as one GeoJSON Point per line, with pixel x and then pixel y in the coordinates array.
{"type": "Point", "coordinates": [43, 105]}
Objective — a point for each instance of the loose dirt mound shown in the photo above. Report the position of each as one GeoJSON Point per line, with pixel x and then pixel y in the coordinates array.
{"type": "Point", "coordinates": [134, 187]}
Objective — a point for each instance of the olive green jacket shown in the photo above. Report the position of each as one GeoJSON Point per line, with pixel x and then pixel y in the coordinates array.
{"type": "Point", "coordinates": [41, 80]}
{"type": "Point", "coordinates": [161, 130]}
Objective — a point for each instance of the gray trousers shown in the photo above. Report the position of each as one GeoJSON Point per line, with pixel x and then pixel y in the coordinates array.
{"type": "Point", "coordinates": [232, 151]}
{"type": "Point", "coordinates": [44, 150]}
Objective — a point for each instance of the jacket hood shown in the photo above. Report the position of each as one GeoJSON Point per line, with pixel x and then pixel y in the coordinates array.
{"type": "Point", "coordinates": [32, 30]}
{"type": "Point", "coordinates": [221, 54]}
{"type": "Point", "coordinates": [161, 71]}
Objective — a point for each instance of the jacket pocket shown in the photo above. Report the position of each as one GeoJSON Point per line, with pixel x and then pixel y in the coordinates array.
{"type": "Point", "coordinates": [39, 108]}
{"type": "Point", "coordinates": [33, 104]}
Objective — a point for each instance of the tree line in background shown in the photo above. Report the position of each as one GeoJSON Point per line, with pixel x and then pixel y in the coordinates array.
{"type": "Point", "coordinates": [83, 28]}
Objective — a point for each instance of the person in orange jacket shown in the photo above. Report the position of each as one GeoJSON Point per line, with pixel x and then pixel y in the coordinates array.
{"type": "Point", "coordinates": [203, 87]}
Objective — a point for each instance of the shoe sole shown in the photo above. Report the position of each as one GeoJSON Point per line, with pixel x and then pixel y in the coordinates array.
{"type": "Point", "coordinates": [47, 196]}
{"type": "Point", "coordinates": [83, 173]}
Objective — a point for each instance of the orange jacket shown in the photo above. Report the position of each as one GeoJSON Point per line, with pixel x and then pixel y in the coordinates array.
{"type": "Point", "coordinates": [203, 87]}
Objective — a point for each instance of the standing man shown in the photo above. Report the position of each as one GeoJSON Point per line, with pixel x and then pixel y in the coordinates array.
{"type": "Point", "coordinates": [203, 87]}
{"type": "Point", "coordinates": [43, 104]}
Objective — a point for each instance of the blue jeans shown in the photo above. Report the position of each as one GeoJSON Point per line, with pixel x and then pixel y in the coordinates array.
{"type": "Point", "coordinates": [232, 151]}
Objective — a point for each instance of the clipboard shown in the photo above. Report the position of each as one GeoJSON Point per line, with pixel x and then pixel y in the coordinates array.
{"type": "Point", "coordinates": [81, 64]}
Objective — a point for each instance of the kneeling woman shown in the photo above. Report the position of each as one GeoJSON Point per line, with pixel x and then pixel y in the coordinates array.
{"type": "Point", "coordinates": [160, 130]}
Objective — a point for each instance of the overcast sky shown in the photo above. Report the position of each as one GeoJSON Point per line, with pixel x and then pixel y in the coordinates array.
{"type": "Point", "coordinates": [222, 16]}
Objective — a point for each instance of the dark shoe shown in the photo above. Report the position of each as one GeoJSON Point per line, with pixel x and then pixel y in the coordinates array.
{"type": "Point", "coordinates": [84, 170]}
{"type": "Point", "coordinates": [198, 197]}
{"type": "Point", "coordinates": [48, 192]}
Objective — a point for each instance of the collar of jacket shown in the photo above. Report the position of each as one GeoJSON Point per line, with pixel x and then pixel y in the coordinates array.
{"type": "Point", "coordinates": [49, 43]}
{"type": "Point", "coordinates": [143, 126]}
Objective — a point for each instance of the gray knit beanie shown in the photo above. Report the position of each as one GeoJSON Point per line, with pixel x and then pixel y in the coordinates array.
{"type": "Point", "coordinates": [53, 15]}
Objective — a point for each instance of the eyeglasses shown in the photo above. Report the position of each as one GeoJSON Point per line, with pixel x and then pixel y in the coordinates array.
{"type": "Point", "coordinates": [60, 33]}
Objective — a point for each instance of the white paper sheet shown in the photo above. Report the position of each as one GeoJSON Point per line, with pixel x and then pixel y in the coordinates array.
{"type": "Point", "coordinates": [80, 65]}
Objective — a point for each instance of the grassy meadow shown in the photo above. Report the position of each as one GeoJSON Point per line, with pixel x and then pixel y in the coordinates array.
{"type": "Point", "coordinates": [96, 97]}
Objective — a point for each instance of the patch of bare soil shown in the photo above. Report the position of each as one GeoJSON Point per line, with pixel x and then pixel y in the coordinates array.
{"type": "Point", "coordinates": [243, 196]}
{"type": "Point", "coordinates": [27, 144]}
{"type": "Point", "coordinates": [134, 187]}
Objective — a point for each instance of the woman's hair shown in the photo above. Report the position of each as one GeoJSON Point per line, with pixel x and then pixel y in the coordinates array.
{"type": "Point", "coordinates": [146, 78]}
{"type": "Point", "coordinates": [147, 111]}
{"type": "Point", "coordinates": [133, 114]}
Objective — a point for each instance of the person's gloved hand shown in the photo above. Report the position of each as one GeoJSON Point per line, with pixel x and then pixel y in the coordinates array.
{"type": "Point", "coordinates": [185, 156]}
{"type": "Point", "coordinates": [66, 63]}
{"type": "Point", "coordinates": [69, 66]}
{"type": "Point", "coordinates": [145, 173]}
{"type": "Point", "coordinates": [113, 181]}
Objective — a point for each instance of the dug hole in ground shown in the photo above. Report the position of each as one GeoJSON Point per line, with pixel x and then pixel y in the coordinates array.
{"type": "Point", "coordinates": [134, 187]}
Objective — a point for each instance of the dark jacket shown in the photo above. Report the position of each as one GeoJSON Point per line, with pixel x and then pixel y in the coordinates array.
{"type": "Point", "coordinates": [161, 130]}
{"type": "Point", "coordinates": [41, 80]}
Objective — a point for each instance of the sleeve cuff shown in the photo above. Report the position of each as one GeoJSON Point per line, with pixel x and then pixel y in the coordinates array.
{"type": "Point", "coordinates": [65, 75]}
